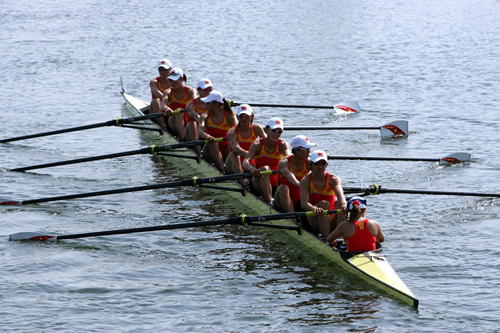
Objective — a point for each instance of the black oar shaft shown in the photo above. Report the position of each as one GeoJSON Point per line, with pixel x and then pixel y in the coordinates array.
{"type": "Point", "coordinates": [188, 182]}
{"type": "Point", "coordinates": [114, 122]}
{"type": "Point", "coordinates": [265, 105]}
{"type": "Point", "coordinates": [155, 228]}
{"type": "Point", "coordinates": [148, 150]}
{"type": "Point", "coordinates": [368, 158]}
{"type": "Point", "coordinates": [320, 128]}
{"type": "Point", "coordinates": [85, 159]}
{"type": "Point", "coordinates": [376, 190]}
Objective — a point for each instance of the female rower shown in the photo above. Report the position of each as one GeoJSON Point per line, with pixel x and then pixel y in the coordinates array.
{"type": "Point", "coordinates": [194, 109]}
{"type": "Point", "coordinates": [267, 152]}
{"type": "Point", "coordinates": [160, 86]}
{"type": "Point", "coordinates": [321, 191]}
{"type": "Point", "coordinates": [240, 139]}
{"type": "Point", "coordinates": [359, 233]}
{"type": "Point", "coordinates": [291, 170]}
{"type": "Point", "coordinates": [215, 124]}
{"type": "Point", "coordinates": [178, 98]}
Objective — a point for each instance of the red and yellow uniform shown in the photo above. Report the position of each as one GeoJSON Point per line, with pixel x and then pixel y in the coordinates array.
{"type": "Point", "coordinates": [218, 130]}
{"type": "Point", "coordinates": [174, 103]}
{"type": "Point", "coordinates": [293, 189]}
{"type": "Point", "coordinates": [245, 142]}
{"type": "Point", "coordinates": [326, 193]}
{"type": "Point", "coordinates": [270, 159]}
{"type": "Point", "coordinates": [159, 86]}
{"type": "Point", "coordinates": [362, 240]}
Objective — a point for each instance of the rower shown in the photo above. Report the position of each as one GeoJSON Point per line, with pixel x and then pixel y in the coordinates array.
{"type": "Point", "coordinates": [292, 169]}
{"type": "Point", "coordinates": [359, 233]}
{"type": "Point", "coordinates": [321, 191]}
{"type": "Point", "coordinates": [240, 139]}
{"type": "Point", "coordinates": [178, 98]}
{"type": "Point", "coordinates": [194, 109]}
{"type": "Point", "coordinates": [215, 124]}
{"type": "Point", "coordinates": [267, 152]}
{"type": "Point", "coordinates": [160, 86]}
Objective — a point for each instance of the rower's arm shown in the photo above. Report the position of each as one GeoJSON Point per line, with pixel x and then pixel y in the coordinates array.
{"type": "Point", "coordinates": [339, 191]}
{"type": "Point", "coordinates": [337, 233]}
{"type": "Point", "coordinates": [191, 111]}
{"type": "Point", "coordinates": [252, 152]}
{"type": "Point", "coordinates": [284, 169]}
{"type": "Point", "coordinates": [304, 195]}
{"type": "Point", "coordinates": [201, 128]}
{"type": "Point", "coordinates": [154, 89]}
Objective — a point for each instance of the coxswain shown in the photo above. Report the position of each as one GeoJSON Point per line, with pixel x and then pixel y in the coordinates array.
{"type": "Point", "coordinates": [267, 152]}
{"type": "Point", "coordinates": [321, 191]}
{"type": "Point", "coordinates": [194, 109]}
{"type": "Point", "coordinates": [240, 139]}
{"type": "Point", "coordinates": [291, 170]}
{"type": "Point", "coordinates": [178, 98]}
{"type": "Point", "coordinates": [359, 233]}
{"type": "Point", "coordinates": [160, 86]}
{"type": "Point", "coordinates": [215, 124]}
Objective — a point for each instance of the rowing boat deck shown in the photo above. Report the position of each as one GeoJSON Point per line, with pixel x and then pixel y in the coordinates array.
{"type": "Point", "coordinates": [371, 266]}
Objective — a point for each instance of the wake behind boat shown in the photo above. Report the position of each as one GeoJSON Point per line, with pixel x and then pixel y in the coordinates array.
{"type": "Point", "coordinates": [371, 266]}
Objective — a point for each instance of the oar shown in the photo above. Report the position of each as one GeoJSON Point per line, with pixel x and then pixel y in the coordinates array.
{"type": "Point", "coordinates": [114, 122]}
{"type": "Point", "coordinates": [242, 219]}
{"type": "Point", "coordinates": [449, 159]}
{"type": "Point", "coordinates": [396, 128]}
{"type": "Point", "coordinates": [148, 150]}
{"type": "Point", "coordinates": [376, 189]}
{"type": "Point", "coordinates": [195, 181]}
{"type": "Point", "coordinates": [347, 106]}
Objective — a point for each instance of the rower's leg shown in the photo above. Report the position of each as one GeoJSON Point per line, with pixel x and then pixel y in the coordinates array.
{"type": "Point", "coordinates": [171, 125]}
{"type": "Point", "coordinates": [282, 199]}
{"type": "Point", "coordinates": [265, 186]}
{"type": "Point", "coordinates": [213, 154]}
{"type": "Point", "coordinates": [155, 107]}
{"type": "Point", "coordinates": [191, 134]}
{"type": "Point", "coordinates": [180, 126]}
{"type": "Point", "coordinates": [233, 165]}
{"type": "Point", "coordinates": [322, 224]}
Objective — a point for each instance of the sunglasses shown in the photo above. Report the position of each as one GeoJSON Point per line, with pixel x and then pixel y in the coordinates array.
{"type": "Point", "coordinates": [277, 130]}
{"type": "Point", "coordinates": [163, 69]}
{"type": "Point", "coordinates": [320, 163]}
{"type": "Point", "coordinates": [302, 148]}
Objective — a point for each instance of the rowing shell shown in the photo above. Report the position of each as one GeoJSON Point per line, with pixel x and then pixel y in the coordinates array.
{"type": "Point", "coordinates": [371, 266]}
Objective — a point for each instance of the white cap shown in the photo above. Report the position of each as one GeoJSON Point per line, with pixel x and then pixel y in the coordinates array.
{"type": "Point", "coordinates": [356, 200]}
{"type": "Point", "coordinates": [175, 74]}
{"type": "Point", "coordinates": [165, 63]}
{"type": "Point", "coordinates": [204, 84]}
{"type": "Point", "coordinates": [302, 141]}
{"type": "Point", "coordinates": [275, 122]}
{"type": "Point", "coordinates": [214, 96]}
{"type": "Point", "coordinates": [318, 155]}
{"type": "Point", "coordinates": [244, 109]}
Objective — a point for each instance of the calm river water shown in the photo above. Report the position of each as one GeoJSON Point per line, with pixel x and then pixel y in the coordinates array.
{"type": "Point", "coordinates": [433, 63]}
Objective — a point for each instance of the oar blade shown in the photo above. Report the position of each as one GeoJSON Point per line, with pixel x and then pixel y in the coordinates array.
{"type": "Point", "coordinates": [394, 129]}
{"type": "Point", "coordinates": [347, 107]}
{"type": "Point", "coordinates": [455, 158]}
{"type": "Point", "coordinates": [31, 236]}
{"type": "Point", "coordinates": [9, 202]}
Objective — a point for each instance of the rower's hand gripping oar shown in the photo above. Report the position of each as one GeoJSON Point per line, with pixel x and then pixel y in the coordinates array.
{"type": "Point", "coordinates": [148, 150]}
{"type": "Point", "coordinates": [447, 160]}
{"type": "Point", "coordinates": [242, 219]}
{"type": "Point", "coordinates": [195, 181]}
{"type": "Point", "coordinates": [394, 129]}
{"type": "Point", "coordinates": [343, 107]}
{"type": "Point", "coordinates": [376, 189]}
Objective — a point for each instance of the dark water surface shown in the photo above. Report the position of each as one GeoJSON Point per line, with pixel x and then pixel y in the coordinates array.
{"type": "Point", "coordinates": [435, 64]}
